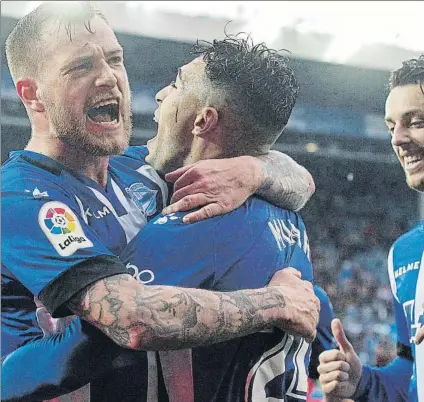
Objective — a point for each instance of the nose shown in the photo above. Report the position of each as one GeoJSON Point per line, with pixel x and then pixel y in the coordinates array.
{"type": "Point", "coordinates": [106, 76]}
{"type": "Point", "coordinates": [400, 136]}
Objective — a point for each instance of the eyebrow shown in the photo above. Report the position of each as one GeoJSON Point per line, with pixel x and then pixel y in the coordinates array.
{"type": "Point", "coordinates": [87, 58]}
{"type": "Point", "coordinates": [407, 115]}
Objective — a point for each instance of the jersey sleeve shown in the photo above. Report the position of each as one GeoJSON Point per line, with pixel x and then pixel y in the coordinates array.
{"type": "Point", "coordinates": [52, 366]}
{"type": "Point", "coordinates": [386, 384]}
{"type": "Point", "coordinates": [48, 247]}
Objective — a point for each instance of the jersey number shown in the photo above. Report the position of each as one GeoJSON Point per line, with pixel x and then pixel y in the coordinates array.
{"type": "Point", "coordinates": [280, 374]}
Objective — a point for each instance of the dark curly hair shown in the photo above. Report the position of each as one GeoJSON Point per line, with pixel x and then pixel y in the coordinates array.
{"type": "Point", "coordinates": [411, 72]}
{"type": "Point", "coordinates": [259, 85]}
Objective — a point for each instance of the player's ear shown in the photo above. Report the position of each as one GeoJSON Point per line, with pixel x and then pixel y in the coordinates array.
{"type": "Point", "coordinates": [206, 122]}
{"type": "Point", "coordinates": [27, 89]}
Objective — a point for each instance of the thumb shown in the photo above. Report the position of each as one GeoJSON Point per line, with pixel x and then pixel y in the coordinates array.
{"type": "Point", "coordinates": [293, 271]}
{"type": "Point", "coordinates": [339, 334]}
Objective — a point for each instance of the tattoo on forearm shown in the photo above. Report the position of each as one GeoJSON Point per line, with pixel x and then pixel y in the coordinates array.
{"type": "Point", "coordinates": [287, 184]}
{"type": "Point", "coordinates": [161, 317]}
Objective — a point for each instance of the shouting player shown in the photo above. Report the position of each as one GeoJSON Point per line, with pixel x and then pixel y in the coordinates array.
{"type": "Point", "coordinates": [341, 373]}
{"type": "Point", "coordinates": [233, 87]}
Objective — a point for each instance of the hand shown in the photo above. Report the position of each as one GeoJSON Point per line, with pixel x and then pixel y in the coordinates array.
{"type": "Point", "coordinates": [301, 313]}
{"type": "Point", "coordinates": [419, 336]}
{"type": "Point", "coordinates": [47, 323]}
{"type": "Point", "coordinates": [339, 370]}
{"type": "Point", "coordinates": [217, 185]}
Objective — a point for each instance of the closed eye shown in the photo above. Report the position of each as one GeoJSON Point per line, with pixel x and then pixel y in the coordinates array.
{"type": "Point", "coordinates": [115, 60]}
{"type": "Point", "coordinates": [87, 65]}
{"type": "Point", "coordinates": [418, 123]}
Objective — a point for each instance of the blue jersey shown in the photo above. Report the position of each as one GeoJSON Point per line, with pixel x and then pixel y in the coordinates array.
{"type": "Point", "coordinates": [240, 250]}
{"type": "Point", "coordinates": [324, 339]}
{"type": "Point", "coordinates": [61, 231]}
{"type": "Point", "coordinates": [406, 274]}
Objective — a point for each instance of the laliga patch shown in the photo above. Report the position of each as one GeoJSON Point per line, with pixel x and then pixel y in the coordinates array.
{"type": "Point", "coordinates": [62, 228]}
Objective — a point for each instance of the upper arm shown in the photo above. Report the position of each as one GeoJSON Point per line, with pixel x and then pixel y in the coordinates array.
{"type": "Point", "coordinates": [47, 246]}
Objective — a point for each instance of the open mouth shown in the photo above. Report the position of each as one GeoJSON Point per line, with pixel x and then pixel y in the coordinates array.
{"type": "Point", "coordinates": [412, 161]}
{"type": "Point", "coordinates": [105, 112]}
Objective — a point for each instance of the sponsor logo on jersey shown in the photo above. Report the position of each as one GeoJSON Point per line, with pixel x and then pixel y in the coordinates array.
{"type": "Point", "coordinates": [144, 276]}
{"type": "Point", "coordinates": [412, 266]}
{"type": "Point", "coordinates": [144, 197]}
{"type": "Point", "coordinates": [62, 228]}
{"type": "Point", "coordinates": [99, 214]}
{"type": "Point", "coordinates": [164, 219]}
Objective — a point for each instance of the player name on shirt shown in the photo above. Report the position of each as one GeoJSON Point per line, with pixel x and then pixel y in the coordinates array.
{"type": "Point", "coordinates": [285, 236]}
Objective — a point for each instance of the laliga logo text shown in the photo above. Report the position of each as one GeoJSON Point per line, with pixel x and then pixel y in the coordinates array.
{"type": "Point", "coordinates": [62, 228]}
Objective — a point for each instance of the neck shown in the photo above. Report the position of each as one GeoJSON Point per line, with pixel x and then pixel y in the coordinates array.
{"type": "Point", "coordinates": [94, 167]}
{"type": "Point", "coordinates": [202, 150]}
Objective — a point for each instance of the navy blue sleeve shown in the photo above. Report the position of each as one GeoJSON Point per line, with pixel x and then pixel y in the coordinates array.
{"type": "Point", "coordinates": [61, 363]}
{"type": "Point", "coordinates": [45, 242]}
{"type": "Point", "coordinates": [386, 384]}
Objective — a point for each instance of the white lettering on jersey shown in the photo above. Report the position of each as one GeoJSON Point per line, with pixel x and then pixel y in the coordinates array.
{"type": "Point", "coordinates": [406, 268]}
{"type": "Point", "coordinates": [164, 219]}
{"type": "Point", "coordinates": [285, 236]}
{"type": "Point", "coordinates": [133, 221]}
{"type": "Point", "coordinates": [144, 276]}
{"type": "Point", "coordinates": [62, 228]}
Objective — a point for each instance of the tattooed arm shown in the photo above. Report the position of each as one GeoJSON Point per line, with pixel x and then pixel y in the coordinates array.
{"type": "Point", "coordinates": [161, 317]}
{"type": "Point", "coordinates": [285, 182]}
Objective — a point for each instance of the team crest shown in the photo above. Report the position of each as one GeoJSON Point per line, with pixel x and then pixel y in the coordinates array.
{"type": "Point", "coordinates": [144, 197]}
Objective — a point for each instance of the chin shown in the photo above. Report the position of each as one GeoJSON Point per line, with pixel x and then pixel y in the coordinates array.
{"type": "Point", "coordinates": [416, 184]}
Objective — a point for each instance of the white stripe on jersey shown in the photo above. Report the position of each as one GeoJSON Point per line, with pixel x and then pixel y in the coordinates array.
{"type": "Point", "coordinates": [133, 221]}
{"type": "Point", "coordinates": [419, 349]}
{"type": "Point", "coordinates": [392, 274]}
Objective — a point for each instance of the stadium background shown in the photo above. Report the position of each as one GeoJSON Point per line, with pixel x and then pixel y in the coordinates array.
{"type": "Point", "coordinates": [342, 56]}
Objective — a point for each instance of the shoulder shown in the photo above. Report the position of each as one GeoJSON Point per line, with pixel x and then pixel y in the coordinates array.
{"type": "Point", "coordinates": [133, 154]}
{"type": "Point", "coordinates": [413, 237]}
{"type": "Point", "coordinates": [23, 173]}
{"type": "Point", "coordinates": [321, 294]}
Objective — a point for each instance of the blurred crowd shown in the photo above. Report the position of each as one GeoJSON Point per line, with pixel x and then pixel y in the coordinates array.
{"type": "Point", "coordinates": [350, 236]}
